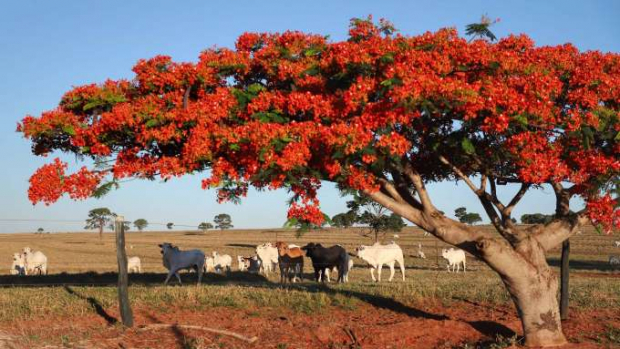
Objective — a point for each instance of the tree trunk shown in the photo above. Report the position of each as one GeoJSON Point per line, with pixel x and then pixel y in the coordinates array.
{"type": "Point", "coordinates": [564, 280]}
{"type": "Point", "coordinates": [535, 297]}
{"type": "Point", "coordinates": [533, 287]}
{"type": "Point", "coordinates": [100, 232]}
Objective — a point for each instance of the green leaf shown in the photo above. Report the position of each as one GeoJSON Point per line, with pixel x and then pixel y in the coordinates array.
{"type": "Point", "coordinates": [152, 123]}
{"type": "Point", "coordinates": [468, 146]}
{"type": "Point", "coordinates": [290, 223]}
{"type": "Point", "coordinates": [234, 147]}
{"type": "Point", "coordinates": [104, 189]}
{"type": "Point", "coordinates": [520, 118]}
{"type": "Point", "coordinates": [68, 129]}
{"type": "Point", "coordinates": [255, 89]}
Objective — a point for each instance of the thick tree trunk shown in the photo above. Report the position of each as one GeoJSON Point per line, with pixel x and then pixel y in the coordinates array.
{"type": "Point", "coordinates": [533, 287]}
{"type": "Point", "coordinates": [564, 280]}
{"type": "Point", "coordinates": [535, 297]}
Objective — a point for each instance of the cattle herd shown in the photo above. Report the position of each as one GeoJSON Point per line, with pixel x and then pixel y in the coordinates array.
{"type": "Point", "coordinates": [269, 257]}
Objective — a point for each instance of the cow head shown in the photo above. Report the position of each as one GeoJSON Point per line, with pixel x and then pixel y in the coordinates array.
{"type": "Point", "coordinates": [165, 247]}
{"type": "Point", "coordinates": [360, 249]}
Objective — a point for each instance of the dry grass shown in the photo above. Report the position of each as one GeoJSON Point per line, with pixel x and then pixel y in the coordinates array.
{"type": "Point", "coordinates": [426, 282]}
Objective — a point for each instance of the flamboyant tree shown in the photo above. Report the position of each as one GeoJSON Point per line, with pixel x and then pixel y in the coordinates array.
{"type": "Point", "coordinates": [380, 113]}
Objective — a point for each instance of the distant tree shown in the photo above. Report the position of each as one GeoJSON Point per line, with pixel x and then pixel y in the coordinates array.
{"type": "Point", "coordinates": [170, 225]}
{"type": "Point", "coordinates": [467, 217]}
{"type": "Point", "coordinates": [140, 223]}
{"type": "Point", "coordinates": [204, 226]}
{"type": "Point", "coordinates": [471, 218]}
{"type": "Point", "coordinates": [460, 212]}
{"type": "Point", "coordinates": [536, 218]}
{"type": "Point", "coordinates": [223, 221]}
{"type": "Point", "coordinates": [374, 215]}
{"type": "Point", "coordinates": [344, 220]}
{"type": "Point", "coordinates": [98, 218]}
{"type": "Point", "coordinates": [40, 230]}
{"type": "Point", "coordinates": [395, 223]}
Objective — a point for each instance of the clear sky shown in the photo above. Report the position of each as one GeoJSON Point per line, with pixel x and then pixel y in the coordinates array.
{"type": "Point", "coordinates": [46, 47]}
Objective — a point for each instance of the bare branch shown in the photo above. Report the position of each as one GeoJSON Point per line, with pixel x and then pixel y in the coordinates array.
{"type": "Point", "coordinates": [403, 189]}
{"type": "Point", "coordinates": [515, 200]}
{"type": "Point", "coordinates": [461, 175]}
{"type": "Point", "coordinates": [186, 96]}
{"type": "Point", "coordinates": [417, 182]}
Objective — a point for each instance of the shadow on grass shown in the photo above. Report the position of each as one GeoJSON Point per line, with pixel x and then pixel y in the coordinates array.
{"type": "Point", "coordinates": [487, 328]}
{"type": "Point", "coordinates": [95, 304]}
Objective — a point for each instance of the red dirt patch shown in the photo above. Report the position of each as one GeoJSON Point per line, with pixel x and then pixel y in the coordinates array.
{"type": "Point", "coordinates": [366, 327]}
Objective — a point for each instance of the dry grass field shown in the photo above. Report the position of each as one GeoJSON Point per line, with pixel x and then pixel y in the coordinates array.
{"type": "Point", "coordinates": [75, 306]}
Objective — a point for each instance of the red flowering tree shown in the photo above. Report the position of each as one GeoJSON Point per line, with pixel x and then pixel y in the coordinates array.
{"type": "Point", "coordinates": [379, 113]}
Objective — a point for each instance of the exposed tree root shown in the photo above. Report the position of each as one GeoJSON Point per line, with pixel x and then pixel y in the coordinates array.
{"type": "Point", "coordinates": [201, 328]}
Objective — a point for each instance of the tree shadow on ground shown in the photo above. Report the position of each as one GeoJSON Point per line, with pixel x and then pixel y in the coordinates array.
{"type": "Point", "coordinates": [243, 279]}
{"type": "Point", "coordinates": [95, 304]}
{"type": "Point", "coordinates": [241, 245]}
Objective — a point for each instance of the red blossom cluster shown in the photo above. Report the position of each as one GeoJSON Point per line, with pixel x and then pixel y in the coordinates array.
{"type": "Point", "coordinates": [291, 109]}
{"type": "Point", "coordinates": [49, 183]}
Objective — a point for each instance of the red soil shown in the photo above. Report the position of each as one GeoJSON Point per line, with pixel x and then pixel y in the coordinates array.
{"type": "Point", "coordinates": [367, 326]}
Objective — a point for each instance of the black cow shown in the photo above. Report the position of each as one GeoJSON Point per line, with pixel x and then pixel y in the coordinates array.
{"type": "Point", "coordinates": [324, 258]}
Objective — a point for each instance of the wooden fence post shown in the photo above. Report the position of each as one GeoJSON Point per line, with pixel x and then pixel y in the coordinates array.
{"type": "Point", "coordinates": [123, 279]}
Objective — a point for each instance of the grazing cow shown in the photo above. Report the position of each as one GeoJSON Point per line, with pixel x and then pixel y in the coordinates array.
{"type": "Point", "coordinates": [134, 265]}
{"type": "Point", "coordinates": [291, 261]}
{"type": "Point", "coordinates": [377, 255]}
{"type": "Point", "coordinates": [18, 267]}
{"type": "Point", "coordinates": [34, 261]}
{"type": "Point", "coordinates": [420, 252]}
{"type": "Point", "coordinates": [175, 260]}
{"type": "Point", "coordinates": [455, 258]}
{"type": "Point", "coordinates": [268, 256]}
{"type": "Point", "coordinates": [252, 264]}
{"type": "Point", "coordinates": [218, 263]}
{"type": "Point", "coordinates": [617, 243]}
{"type": "Point", "coordinates": [241, 263]}
{"type": "Point", "coordinates": [324, 258]}
{"type": "Point", "coordinates": [335, 270]}
{"type": "Point", "coordinates": [614, 260]}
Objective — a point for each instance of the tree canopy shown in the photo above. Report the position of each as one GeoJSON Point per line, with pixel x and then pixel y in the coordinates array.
{"type": "Point", "coordinates": [467, 217]}
{"type": "Point", "coordinates": [291, 109]}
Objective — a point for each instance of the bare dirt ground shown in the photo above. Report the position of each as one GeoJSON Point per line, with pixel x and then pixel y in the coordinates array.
{"type": "Point", "coordinates": [458, 326]}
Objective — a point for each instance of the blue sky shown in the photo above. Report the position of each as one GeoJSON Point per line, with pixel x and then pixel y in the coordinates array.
{"type": "Point", "coordinates": [49, 46]}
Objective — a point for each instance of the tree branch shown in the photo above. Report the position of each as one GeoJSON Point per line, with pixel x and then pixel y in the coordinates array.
{"type": "Point", "coordinates": [418, 184]}
{"type": "Point", "coordinates": [515, 200]}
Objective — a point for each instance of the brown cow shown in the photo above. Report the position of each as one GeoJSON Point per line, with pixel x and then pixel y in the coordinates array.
{"type": "Point", "coordinates": [290, 260]}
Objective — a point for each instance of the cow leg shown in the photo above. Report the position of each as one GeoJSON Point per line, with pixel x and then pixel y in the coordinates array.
{"type": "Point", "coordinates": [318, 274]}
{"type": "Point", "coordinates": [168, 277]}
{"type": "Point", "coordinates": [379, 267]}
{"type": "Point", "coordinates": [391, 271]}
{"type": "Point", "coordinates": [372, 273]}
{"type": "Point", "coordinates": [176, 273]}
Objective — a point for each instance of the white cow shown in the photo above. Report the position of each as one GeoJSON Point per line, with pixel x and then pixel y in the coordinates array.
{"type": "Point", "coordinates": [455, 258]}
{"type": "Point", "coordinates": [175, 260]}
{"type": "Point", "coordinates": [243, 266]}
{"type": "Point", "coordinates": [18, 267]}
{"type": "Point", "coordinates": [617, 243]}
{"type": "Point", "coordinates": [218, 263]}
{"type": "Point", "coordinates": [34, 261]}
{"type": "Point", "coordinates": [377, 255]}
{"type": "Point", "coordinates": [268, 255]}
{"type": "Point", "coordinates": [614, 260]}
{"type": "Point", "coordinates": [134, 265]}
{"type": "Point", "coordinates": [420, 252]}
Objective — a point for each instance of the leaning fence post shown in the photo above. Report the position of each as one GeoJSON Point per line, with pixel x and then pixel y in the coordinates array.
{"type": "Point", "coordinates": [123, 279]}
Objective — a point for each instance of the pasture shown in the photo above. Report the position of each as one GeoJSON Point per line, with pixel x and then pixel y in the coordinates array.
{"type": "Point", "coordinates": [75, 306]}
